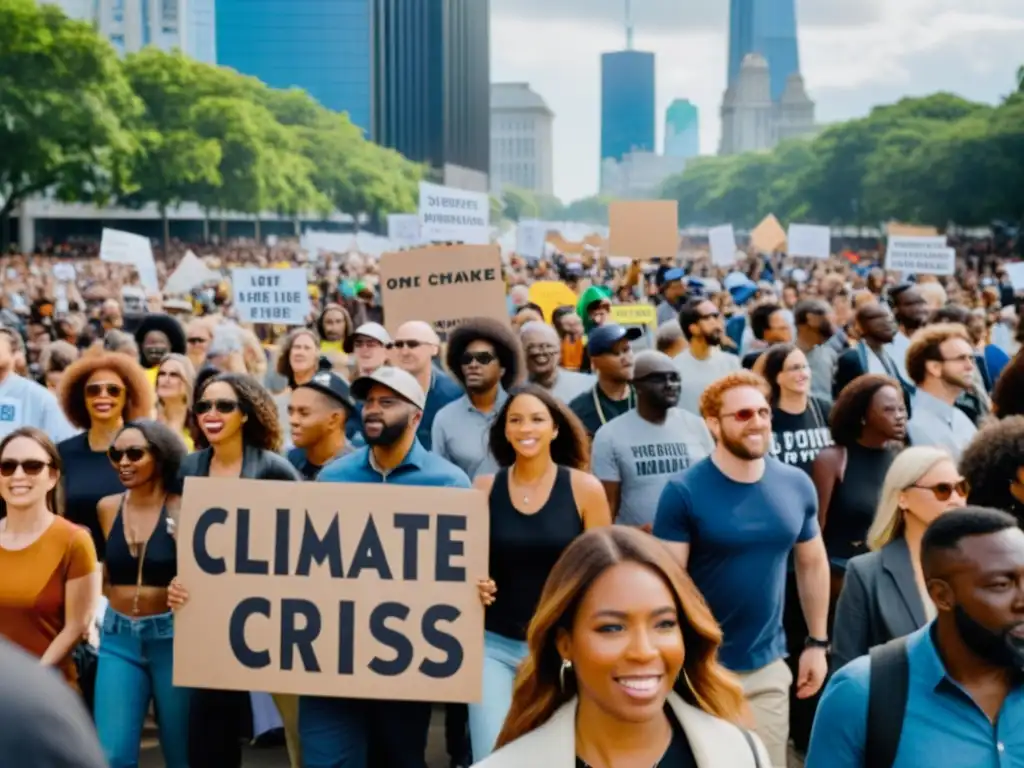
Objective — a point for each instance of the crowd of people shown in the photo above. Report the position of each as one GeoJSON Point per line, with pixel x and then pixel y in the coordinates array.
{"type": "Point", "coordinates": [785, 518]}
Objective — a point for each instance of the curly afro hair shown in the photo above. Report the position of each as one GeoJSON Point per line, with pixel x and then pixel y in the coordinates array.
{"type": "Point", "coordinates": [1006, 399]}
{"type": "Point", "coordinates": [990, 464]}
{"type": "Point", "coordinates": [139, 394]}
{"type": "Point", "coordinates": [262, 429]}
{"type": "Point", "coordinates": [499, 335]}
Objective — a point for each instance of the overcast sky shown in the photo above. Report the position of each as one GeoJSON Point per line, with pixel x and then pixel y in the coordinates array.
{"type": "Point", "coordinates": [853, 54]}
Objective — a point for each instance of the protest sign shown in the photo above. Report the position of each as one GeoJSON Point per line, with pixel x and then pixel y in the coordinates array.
{"type": "Point", "coordinates": [549, 295]}
{"type": "Point", "coordinates": [809, 240]}
{"type": "Point", "coordinates": [190, 273]}
{"type": "Point", "coordinates": [634, 314]}
{"type": "Point", "coordinates": [442, 285]}
{"type": "Point", "coordinates": [530, 237]}
{"type": "Point", "coordinates": [643, 229]}
{"type": "Point", "coordinates": [1015, 272]}
{"type": "Point", "coordinates": [355, 591]}
{"type": "Point", "coordinates": [64, 272]}
{"type": "Point", "coordinates": [126, 248]}
{"type": "Point", "coordinates": [277, 296]}
{"type": "Point", "coordinates": [895, 228]}
{"type": "Point", "coordinates": [449, 215]}
{"type": "Point", "coordinates": [326, 242]}
{"type": "Point", "coordinates": [920, 255]}
{"type": "Point", "coordinates": [723, 245]}
{"type": "Point", "coordinates": [768, 236]}
{"type": "Point", "coordinates": [403, 229]}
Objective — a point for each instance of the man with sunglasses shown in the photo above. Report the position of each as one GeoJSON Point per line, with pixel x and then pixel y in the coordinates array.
{"type": "Point", "coordinates": [634, 454]}
{"type": "Point", "coordinates": [733, 519]}
{"type": "Point", "coordinates": [703, 361]}
{"type": "Point", "coordinates": [611, 357]}
{"type": "Point", "coordinates": [414, 348]}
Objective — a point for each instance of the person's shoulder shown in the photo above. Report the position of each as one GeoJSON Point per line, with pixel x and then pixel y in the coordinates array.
{"type": "Point", "coordinates": [581, 402]}
{"type": "Point", "coordinates": [449, 411]}
{"type": "Point", "coordinates": [685, 419]}
{"type": "Point", "coordinates": [825, 406]}
{"type": "Point", "coordinates": [860, 566]}
{"type": "Point", "coordinates": [778, 471]}
{"type": "Point", "coordinates": [191, 465]}
{"type": "Point", "coordinates": [445, 385]}
{"type": "Point", "coordinates": [345, 467]}
{"type": "Point", "coordinates": [74, 444]}
{"type": "Point", "coordinates": [296, 457]}
{"type": "Point", "coordinates": [443, 473]}
{"type": "Point", "coordinates": [851, 683]}
{"type": "Point", "coordinates": [694, 476]}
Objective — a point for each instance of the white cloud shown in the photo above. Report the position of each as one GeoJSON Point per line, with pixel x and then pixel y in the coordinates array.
{"type": "Point", "coordinates": [854, 54]}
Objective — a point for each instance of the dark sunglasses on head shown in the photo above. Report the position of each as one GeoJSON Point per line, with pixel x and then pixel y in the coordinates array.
{"type": "Point", "coordinates": [111, 390]}
{"type": "Point", "coordinates": [221, 406]}
{"type": "Point", "coordinates": [484, 358]}
{"type": "Point", "coordinates": [410, 344]}
{"type": "Point", "coordinates": [31, 467]}
{"type": "Point", "coordinates": [135, 454]}
{"type": "Point", "coordinates": [942, 491]}
{"type": "Point", "coordinates": [746, 414]}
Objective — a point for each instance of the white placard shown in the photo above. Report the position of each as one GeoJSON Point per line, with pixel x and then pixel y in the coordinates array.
{"type": "Point", "coordinates": [126, 248]}
{"type": "Point", "coordinates": [64, 272]}
{"type": "Point", "coordinates": [1015, 272]}
{"type": "Point", "coordinates": [327, 242]}
{"type": "Point", "coordinates": [723, 245]}
{"type": "Point", "coordinates": [531, 236]}
{"type": "Point", "coordinates": [271, 240]}
{"type": "Point", "coordinates": [278, 296]}
{"type": "Point", "coordinates": [190, 273]}
{"type": "Point", "coordinates": [920, 255]}
{"type": "Point", "coordinates": [809, 240]}
{"type": "Point", "coordinates": [454, 215]}
{"type": "Point", "coordinates": [60, 306]}
{"type": "Point", "coordinates": [404, 229]}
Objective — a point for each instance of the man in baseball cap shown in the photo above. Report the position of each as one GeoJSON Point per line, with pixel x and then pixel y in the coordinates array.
{"type": "Point", "coordinates": [369, 345]}
{"type": "Point", "coordinates": [611, 357]}
{"type": "Point", "coordinates": [318, 412]}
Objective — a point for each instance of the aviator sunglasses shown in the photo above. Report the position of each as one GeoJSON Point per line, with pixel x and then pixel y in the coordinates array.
{"type": "Point", "coordinates": [31, 467]}
{"type": "Point", "coordinates": [223, 407]}
{"type": "Point", "coordinates": [111, 390]}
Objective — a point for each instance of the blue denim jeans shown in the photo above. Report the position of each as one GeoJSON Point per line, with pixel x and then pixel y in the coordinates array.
{"type": "Point", "coordinates": [361, 733]}
{"type": "Point", "coordinates": [135, 666]}
{"type": "Point", "coordinates": [502, 656]}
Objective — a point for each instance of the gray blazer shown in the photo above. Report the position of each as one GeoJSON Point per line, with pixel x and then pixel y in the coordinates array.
{"type": "Point", "coordinates": [879, 602]}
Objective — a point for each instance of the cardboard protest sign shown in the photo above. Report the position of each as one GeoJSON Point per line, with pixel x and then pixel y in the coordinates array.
{"type": "Point", "coordinates": [454, 215]}
{"type": "Point", "coordinates": [895, 228]}
{"type": "Point", "coordinates": [634, 314]}
{"type": "Point", "coordinates": [442, 285]}
{"type": "Point", "coordinates": [1015, 272]}
{"type": "Point", "coordinates": [404, 229]}
{"type": "Point", "coordinates": [643, 229]}
{"type": "Point", "coordinates": [549, 295]}
{"type": "Point", "coordinates": [355, 591]}
{"type": "Point", "coordinates": [768, 236]}
{"type": "Point", "coordinates": [278, 296]}
{"type": "Point", "coordinates": [920, 255]}
{"type": "Point", "coordinates": [722, 241]}
{"type": "Point", "coordinates": [809, 240]}
{"type": "Point", "coordinates": [126, 248]}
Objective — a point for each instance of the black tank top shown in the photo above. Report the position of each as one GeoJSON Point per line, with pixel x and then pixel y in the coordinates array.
{"type": "Point", "coordinates": [524, 549]}
{"type": "Point", "coordinates": [161, 561]}
{"type": "Point", "coordinates": [854, 501]}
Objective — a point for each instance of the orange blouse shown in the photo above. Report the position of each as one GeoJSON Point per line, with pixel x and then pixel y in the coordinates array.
{"type": "Point", "coordinates": [32, 584]}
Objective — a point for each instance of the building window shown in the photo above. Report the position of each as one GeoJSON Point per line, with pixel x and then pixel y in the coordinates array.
{"type": "Point", "coordinates": [117, 13]}
{"type": "Point", "coordinates": [168, 12]}
{"type": "Point", "coordinates": [118, 42]}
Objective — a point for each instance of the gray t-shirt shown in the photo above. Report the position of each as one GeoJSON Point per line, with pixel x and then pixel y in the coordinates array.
{"type": "Point", "coordinates": [697, 374]}
{"type": "Point", "coordinates": [642, 456]}
{"type": "Point", "coordinates": [570, 384]}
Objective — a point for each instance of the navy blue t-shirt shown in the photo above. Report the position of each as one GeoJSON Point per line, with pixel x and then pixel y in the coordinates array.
{"type": "Point", "coordinates": [740, 535]}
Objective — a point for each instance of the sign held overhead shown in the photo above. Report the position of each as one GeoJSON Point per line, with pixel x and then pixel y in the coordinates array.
{"type": "Point", "coordinates": [449, 215]}
{"type": "Point", "coordinates": [920, 255]}
{"type": "Point", "coordinates": [643, 229]}
{"type": "Point", "coordinates": [277, 296]}
{"type": "Point", "coordinates": [809, 240]}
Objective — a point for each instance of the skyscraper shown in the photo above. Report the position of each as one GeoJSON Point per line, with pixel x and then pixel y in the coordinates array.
{"type": "Point", "coordinates": [627, 103]}
{"type": "Point", "coordinates": [767, 27]}
{"type": "Point", "coordinates": [682, 129]}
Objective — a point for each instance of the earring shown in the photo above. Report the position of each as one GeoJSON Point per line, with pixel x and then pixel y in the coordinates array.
{"type": "Point", "coordinates": [566, 666]}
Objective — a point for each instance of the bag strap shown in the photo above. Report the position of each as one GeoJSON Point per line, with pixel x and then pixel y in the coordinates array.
{"type": "Point", "coordinates": [887, 702]}
{"type": "Point", "coordinates": [753, 747]}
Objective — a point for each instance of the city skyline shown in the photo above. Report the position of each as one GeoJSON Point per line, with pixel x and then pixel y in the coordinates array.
{"type": "Point", "coordinates": [919, 47]}
{"type": "Point", "coordinates": [767, 27]}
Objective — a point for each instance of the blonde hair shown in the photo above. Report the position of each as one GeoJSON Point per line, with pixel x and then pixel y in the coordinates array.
{"type": "Point", "coordinates": [906, 469]}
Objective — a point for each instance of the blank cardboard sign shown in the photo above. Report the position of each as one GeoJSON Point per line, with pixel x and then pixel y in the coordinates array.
{"type": "Point", "coordinates": [442, 285]}
{"type": "Point", "coordinates": [643, 229]}
{"type": "Point", "coordinates": [353, 591]}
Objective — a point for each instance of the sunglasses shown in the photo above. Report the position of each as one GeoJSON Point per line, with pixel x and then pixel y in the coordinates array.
{"type": "Point", "coordinates": [111, 390]}
{"type": "Point", "coordinates": [484, 358]}
{"type": "Point", "coordinates": [221, 406]}
{"type": "Point", "coordinates": [942, 491]}
{"type": "Point", "coordinates": [135, 454]}
{"type": "Point", "coordinates": [746, 414]}
{"type": "Point", "coordinates": [410, 344]}
{"type": "Point", "coordinates": [367, 344]}
{"type": "Point", "coordinates": [196, 340]}
{"type": "Point", "coordinates": [31, 467]}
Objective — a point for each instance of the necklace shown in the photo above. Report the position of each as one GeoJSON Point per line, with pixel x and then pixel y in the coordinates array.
{"type": "Point", "coordinates": [630, 405]}
{"type": "Point", "coordinates": [527, 489]}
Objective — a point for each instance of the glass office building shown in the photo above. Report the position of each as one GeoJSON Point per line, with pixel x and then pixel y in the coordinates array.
{"type": "Point", "coordinates": [627, 103]}
{"type": "Point", "coordinates": [767, 27]}
{"type": "Point", "coordinates": [682, 129]}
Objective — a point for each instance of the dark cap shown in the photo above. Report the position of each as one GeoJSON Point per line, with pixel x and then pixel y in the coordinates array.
{"type": "Point", "coordinates": [333, 386]}
{"type": "Point", "coordinates": [603, 338]}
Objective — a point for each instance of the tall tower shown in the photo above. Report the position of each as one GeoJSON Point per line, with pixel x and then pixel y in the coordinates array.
{"type": "Point", "coordinates": [766, 27]}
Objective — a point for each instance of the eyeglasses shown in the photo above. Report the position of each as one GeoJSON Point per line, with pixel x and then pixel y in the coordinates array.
{"type": "Point", "coordinates": [111, 390]}
{"type": "Point", "coordinates": [196, 340]}
{"type": "Point", "coordinates": [746, 414]}
{"type": "Point", "coordinates": [484, 358]}
{"type": "Point", "coordinates": [942, 491]}
{"type": "Point", "coordinates": [31, 467]}
{"type": "Point", "coordinates": [221, 406]}
{"type": "Point", "coordinates": [409, 343]}
{"type": "Point", "coordinates": [366, 344]}
{"type": "Point", "coordinates": [135, 454]}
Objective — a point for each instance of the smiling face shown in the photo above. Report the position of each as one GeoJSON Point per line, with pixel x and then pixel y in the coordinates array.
{"type": "Point", "coordinates": [795, 376]}
{"type": "Point", "coordinates": [744, 425]}
{"type": "Point", "coordinates": [529, 426]}
{"type": "Point", "coordinates": [542, 352]}
{"type": "Point", "coordinates": [155, 347]}
{"type": "Point", "coordinates": [626, 643]}
{"type": "Point", "coordinates": [105, 396]}
{"type": "Point", "coordinates": [170, 381]}
{"type": "Point", "coordinates": [132, 458]}
{"type": "Point", "coordinates": [303, 356]}
{"type": "Point", "coordinates": [219, 413]}
{"type": "Point", "coordinates": [26, 474]}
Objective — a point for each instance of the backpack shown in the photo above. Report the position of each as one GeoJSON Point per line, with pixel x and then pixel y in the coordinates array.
{"type": "Point", "coordinates": [887, 702]}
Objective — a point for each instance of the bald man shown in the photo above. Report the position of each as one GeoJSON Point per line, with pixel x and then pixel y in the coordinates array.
{"type": "Point", "coordinates": [634, 454]}
{"type": "Point", "coordinates": [415, 346]}
{"type": "Point", "coordinates": [543, 356]}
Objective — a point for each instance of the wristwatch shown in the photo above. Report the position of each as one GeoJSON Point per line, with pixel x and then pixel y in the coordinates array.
{"type": "Point", "coordinates": [813, 642]}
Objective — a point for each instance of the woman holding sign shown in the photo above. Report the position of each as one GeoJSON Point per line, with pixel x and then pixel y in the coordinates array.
{"type": "Point", "coordinates": [540, 502]}
{"type": "Point", "coordinates": [239, 435]}
{"type": "Point", "coordinates": [137, 640]}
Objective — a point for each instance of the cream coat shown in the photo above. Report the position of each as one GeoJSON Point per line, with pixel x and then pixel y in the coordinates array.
{"type": "Point", "coordinates": [716, 743]}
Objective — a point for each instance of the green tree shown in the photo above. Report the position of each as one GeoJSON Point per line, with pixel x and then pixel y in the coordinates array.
{"type": "Point", "coordinates": [64, 106]}
{"type": "Point", "coordinates": [519, 204]}
{"type": "Point", "coordinates": [590, 210]}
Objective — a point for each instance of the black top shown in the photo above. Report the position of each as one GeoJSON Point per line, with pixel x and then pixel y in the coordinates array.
{"type": "Point", "coordinates": [678, 754]}
{"type": "Point", "coordinates": [308, 470]}
{"type": "Point", "coordinates": [161, 559]}
{"type": "Point", "coordinates": [257, 464]}
{"type": "Point", "coordinates": [524, 549]}
{"type": "Point", "coordinates": [590, 410]}
{"type": "Point", "coordinates": [797, 438]}
{"type": "Point", "coordinates": [88, 477]}
{"type": "Point", "coordinates": [854, 501]}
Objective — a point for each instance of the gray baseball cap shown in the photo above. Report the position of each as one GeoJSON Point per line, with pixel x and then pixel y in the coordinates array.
{"type": "Point", "coordinates": [400, 382]}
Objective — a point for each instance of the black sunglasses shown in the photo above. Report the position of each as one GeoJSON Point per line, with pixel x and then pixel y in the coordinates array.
{"type": "Point", "coordinates": [95, 390]}
{"type": "Point", "coordinates": [221, 406]}
{"type": "Point", "coordinates": [410, 344]}
{"type": "Point", "coordinates": [196, 340]}
{"type": "Point", "coordinates": [135, 454]}
{"type": "Point", "coordinates": [484, 358]}
{"type": "Point", "coordinates": [31, 467]}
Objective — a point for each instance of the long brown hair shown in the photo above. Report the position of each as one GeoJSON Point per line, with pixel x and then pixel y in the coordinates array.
{"type": "Point", "coordinates": [704, 682]}
{"type": "Point", "coordinates": [55, 497]}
